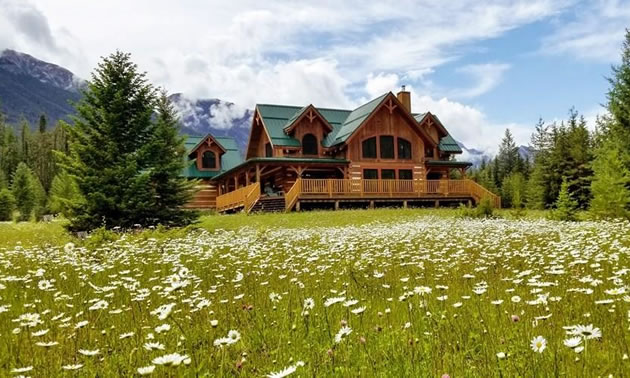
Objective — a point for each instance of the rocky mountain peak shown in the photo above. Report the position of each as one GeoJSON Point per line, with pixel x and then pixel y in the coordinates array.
{"type": "Point", "coordinates": [19, 63]}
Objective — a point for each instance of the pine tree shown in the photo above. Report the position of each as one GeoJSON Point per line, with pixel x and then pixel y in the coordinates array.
{"type": "Point", "coordinates": [565, 205]}
{"type": "Point", "coordinates": [513, 190]}
{"type": "Point", "coordinates": [507, 158]}
{"type": "Point", "coordinates": [611, 196]}
{"type": "Point", "coordinates": [23, 191]}
{"type": "Point", "coordinates": [40, 197]}
{"type": "Point", "coordinates": [172, 191]}
{"type": "Point", "coordinates": [64, 195]}
{"type": "Point", "coordinates": [120, 155]}
{"type": "Point", "coordinates": [7, 204]}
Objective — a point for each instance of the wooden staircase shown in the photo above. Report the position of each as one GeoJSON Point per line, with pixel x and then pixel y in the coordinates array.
{"type": "Point", "coordinates": [269, 204]}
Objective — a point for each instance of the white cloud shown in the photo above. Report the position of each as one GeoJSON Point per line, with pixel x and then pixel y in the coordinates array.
{"type": "Point", "coordinates": [487, 77]}
{"type": "Point", "coordinates": [469, 125]}
{"type": "Point", "coordinates": [595, 33]}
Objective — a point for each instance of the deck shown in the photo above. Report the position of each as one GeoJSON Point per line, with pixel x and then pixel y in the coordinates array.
{"type": "Point", "coordinates": [347, 190]}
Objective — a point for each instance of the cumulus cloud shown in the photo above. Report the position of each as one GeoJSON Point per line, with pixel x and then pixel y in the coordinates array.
{"type": "Point", "coordinates": [224, 114]}
{"type": "Point", "coordinates": [27, 24]}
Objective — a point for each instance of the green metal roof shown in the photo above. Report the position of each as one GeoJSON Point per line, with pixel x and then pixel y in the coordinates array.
{"type": "Point", "coordinates": [285, 160]}
{"type": "Point", "coordinates": [448, 144]}
{"type": "Point", "coordinates": [230, 159]}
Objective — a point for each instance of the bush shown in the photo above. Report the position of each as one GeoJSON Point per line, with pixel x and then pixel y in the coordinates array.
{"type": "Point", "coordinates": [484, 209]}
{"type": "Point", "coordinates": [7, 205]}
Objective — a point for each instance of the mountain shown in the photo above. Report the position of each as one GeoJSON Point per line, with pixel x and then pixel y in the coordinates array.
{"type": "Point", "coordinates": [30, 87]}
{"type": "Point", "coordinates": [214, 116]}
{"type": "Point", "coordinates": [475, 156]}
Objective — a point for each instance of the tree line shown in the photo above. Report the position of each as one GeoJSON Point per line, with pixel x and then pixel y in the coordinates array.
{"type": "Point", "coordinates": [117, 165]}
{"type": "Point", "coordinates": [572, 168]}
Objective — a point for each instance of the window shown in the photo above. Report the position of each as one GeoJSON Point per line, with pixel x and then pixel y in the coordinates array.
{"type": "Point", "coordinates": [387, 147]}
{"type": "Point", "coordinates": [370, 174]}
{"type": "Point", "coordinates": [268, 150]}
{"type": "Point", "coordinates": [388, 174]}
{"type": "Point", "coordinates": [428, 152]}
{"type": "Point", "coordinates": [309, 145]}
{"type": "Point", "coordinates": [404, 149]}
{"type": "Point", "coordinates": [405, 174]}
{"type": "Point", "coordinates": [208, 160]}
{"type": "Point", "coordinates": [369, 148]}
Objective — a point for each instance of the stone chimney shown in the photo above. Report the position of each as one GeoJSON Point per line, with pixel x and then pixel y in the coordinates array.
{"type": "Point", "coordinates": [405, 98]}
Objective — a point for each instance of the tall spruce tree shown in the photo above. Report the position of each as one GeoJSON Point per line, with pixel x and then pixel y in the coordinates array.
{"type": "Point", "coordinates": [114, 148]}
{"type": "Point", "coordinates": [23, 191]}
{"type": "Point", "coordinates": [566, 206]}
{"type": "Point", "coordinates": [611, 168]}
{"type": "Point", "coordinates": [172, 191]}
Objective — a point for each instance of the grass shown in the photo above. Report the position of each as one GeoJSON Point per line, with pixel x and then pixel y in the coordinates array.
{"type": "Point", "coordinates": [422, 293]}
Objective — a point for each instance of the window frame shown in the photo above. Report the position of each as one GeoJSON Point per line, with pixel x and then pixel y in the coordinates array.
{"type": "Point", "coordinates": [400, 142]}
{"type": "Point", "coordinates": [268, 150]}
{"type": "Point", "coordinates": [373, 170]}
{"type": "Point", "coordinates": [214, 159]}
{"type": "Point", "coordinates": [381, 150]}
{"type": "Point", "coordinates": [363, 149]}
{"type": "Point", "coordinates": [405, 170]}
{"type": "Point", "coordinates": [388, 170]}
{"type": "Point", "coordinates": [315, 144]}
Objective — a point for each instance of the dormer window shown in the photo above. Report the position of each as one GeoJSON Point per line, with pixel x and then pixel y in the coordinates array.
{"type": "Point", "coordinates": [309, 145]}
{"type": "Point", "coordinates": [209, 160]}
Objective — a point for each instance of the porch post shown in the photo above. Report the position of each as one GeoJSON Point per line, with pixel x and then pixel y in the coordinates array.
{"type": "Point", "coordinates": [247, 177]}
{"type": "Point", "coordinates": [257, 172]}
{"type": "Point", "coordinates": [235, 182]}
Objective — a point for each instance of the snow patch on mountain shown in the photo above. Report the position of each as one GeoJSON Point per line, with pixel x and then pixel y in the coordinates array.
{"type": "Point", "coordinates": [19, 63]}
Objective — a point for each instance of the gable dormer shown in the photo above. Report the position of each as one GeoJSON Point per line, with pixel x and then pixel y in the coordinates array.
{"type": "Point", "coordinates": [310, 128]}
{"type": "Point", "coordinates": [207, 154]}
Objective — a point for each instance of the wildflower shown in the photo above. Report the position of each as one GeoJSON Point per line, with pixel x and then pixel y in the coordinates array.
{"type": "Point", "coordinates": [497, 302]}
{"type": "Point", "coordinates": [501, 355]}
{"type": "Point", "coordinates": [47, 344]}
{"type": "Point", "coordinates": [22, 369]}
{"type": "Point", "coordinates": [214, 323]}
{"type": "Point", "coordinates": [458, 304]}
{"type": "Point", "coordinates": [309, 304]}
{"type": "Point", "coordinates": [331, 301]}
{"type": "Point", "coordinates": [163, 311]}
{"type": "Point", "coordinates": [163, 328]}
{"type": "Point", "coordinates": [174, 359]}
{"type": "Point", "coordinates": [422, 290]}
{"type": "Point", "coordinates": [28, 320]}
{"type": "Point", "coordinates": [100, 305]}
{"type": "Point", "coordinates": [343, 332]}
{"type": "Point", "coordinates": [586, 331]}
{"type": "Point", "coordinates": [350, 303]}
{"type": "Point", "coordinates": [358, 310]}
{"type": "Point", "coordinates": [153, 346]}
{"type": "Point", "coordinates": [274, 297]}
{"type": "Point", "coordinates": [87, 352]}
{"type": "Point", "coordinates": [515, 299]}
{"type": "Point", "coordinates": [72, 367]}
{"type": "Point", "coordinates": [81, 324]}
{"type": "Point", "coordinates": [146, 370]}
{"type": "Point", "coordinates": [40, 333]}
{"type": "Point", "coordinates": [125, 335]}
{"type": "Point", "coordinates": [538, 344]}
{"type": "Point", "coordinates": [573, 342]}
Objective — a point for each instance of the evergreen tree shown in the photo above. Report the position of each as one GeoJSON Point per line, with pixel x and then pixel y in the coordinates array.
{"type": "Point", "coordinates": [513, 190]}
{"type": "Point", "coordinates": [117, 150]}
{"type": "Point", "coordinates": [172, 191]}
{"type": "Point", "coordinates": [42, 124]}
{"type": "Point", "coordinates": [612, 159]}
{"type": "Point", "coordinates": [565, 205]}
{"type": "Point", "coordinates": [23, 191]}
{"type": "Point", "coordinates": [7, 204]}
{"type": "Point", "coordinates": [40, 197]}
{"type": "Point", "coordinates": [64, 195]}
{"type": "Point", "coordinates": [611, 196]}
{"type": "Point", "coordinates": [507, 158]}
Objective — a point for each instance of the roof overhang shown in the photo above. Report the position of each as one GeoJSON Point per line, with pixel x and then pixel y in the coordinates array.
{"type": "Point", "coordinates": [284, 161]}
{"type": "Point", "coordinates": [309, 112]}
{"type": "Point", "coordinates": [448, 163]}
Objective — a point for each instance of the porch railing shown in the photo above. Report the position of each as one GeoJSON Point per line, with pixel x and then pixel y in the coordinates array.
{"type": "Point", "coordinates": [292, 195]}
{"type": "Point", "coordinates": [244, 197]}
{"type": "Point", "coordinates": [388, 188]}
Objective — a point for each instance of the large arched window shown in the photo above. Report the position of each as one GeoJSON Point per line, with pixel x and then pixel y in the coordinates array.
{"type": "Point", "coordinates": [208, 160]}
{"type": "Point", "coordinates": [404, 149]}
{"type": "Point", "coordinates": [368, 148]}
{"type": "Point", "coordinates": [387, 146]}
{"type": "Point", "coordinates": [309, 145]}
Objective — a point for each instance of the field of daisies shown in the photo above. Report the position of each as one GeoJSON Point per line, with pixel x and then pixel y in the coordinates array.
{"type": "Point", "coordinates": [421, 296]}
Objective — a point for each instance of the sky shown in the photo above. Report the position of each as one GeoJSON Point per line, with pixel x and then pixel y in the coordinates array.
{"type": "Point", "coordinates": [480, 66]}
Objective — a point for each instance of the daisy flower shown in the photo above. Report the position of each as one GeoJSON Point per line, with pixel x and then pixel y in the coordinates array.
{"type": "Point", "coordinates": [538, 344]}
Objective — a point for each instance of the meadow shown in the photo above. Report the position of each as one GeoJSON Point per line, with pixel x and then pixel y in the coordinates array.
{"type": "Point", "coordinates": [350, 293]}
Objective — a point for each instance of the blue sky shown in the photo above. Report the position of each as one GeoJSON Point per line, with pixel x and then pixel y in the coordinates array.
{"type": "Point", "coordinates": [481, 66]}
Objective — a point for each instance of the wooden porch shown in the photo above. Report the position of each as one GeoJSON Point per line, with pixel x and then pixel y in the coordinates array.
{"type": "Point", "coordinates": [340, 190]}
